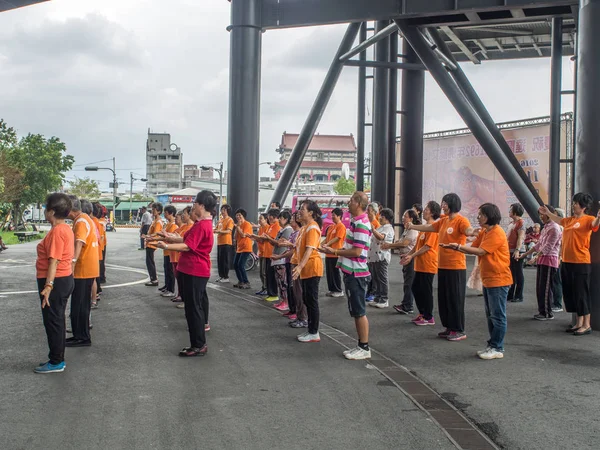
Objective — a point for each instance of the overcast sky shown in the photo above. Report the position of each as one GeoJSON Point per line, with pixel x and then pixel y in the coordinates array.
{"type": "Point", "coordinates": [98, 74]}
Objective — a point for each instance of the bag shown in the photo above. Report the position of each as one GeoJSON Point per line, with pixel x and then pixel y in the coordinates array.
{"type": "Point", "coordinates": [474, 281]}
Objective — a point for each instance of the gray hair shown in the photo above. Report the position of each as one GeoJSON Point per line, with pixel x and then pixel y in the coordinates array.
{"type": "Point", "coordinates": [86, 206]}
{"type": "Point", "coordinates": [76, 204]}
{"type": "Point", "coordinates": [375, 207]}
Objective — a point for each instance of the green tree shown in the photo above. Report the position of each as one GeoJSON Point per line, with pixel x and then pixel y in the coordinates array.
{"type": "Point", "coordinates": [85, 188]}
{"type": "Point", "coordinates": [344, 186]}
{"type": "Point", "coordinates": [138, 197]}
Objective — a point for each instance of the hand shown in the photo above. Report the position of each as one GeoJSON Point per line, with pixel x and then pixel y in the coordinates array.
{"type": "Point", "coordinates": [517, 255]}
{"type": "Point", "coordinates": [327, 250]}
{"type": "Point", "coordinates": [46, 296]}
{"type": "Point", "coordinates": [476, 232]}
{"type": "Point", "coordinates": [386, 246]}
{"type": "Point", "coordinates": [296, 273]}
{"type": "Point", "coordinates": [161, 244]}
{"type": "Point", "coordinates": [543, 210]}
{"type": "Point", "coordinates": [409, 226]}
{"type": "Point", "coordinates": [406, 259]}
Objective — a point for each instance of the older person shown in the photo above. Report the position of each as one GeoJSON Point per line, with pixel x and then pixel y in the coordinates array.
{"type": "Point", "coordinates": [378, 258]}
{"type": "Point", "coordinates": [491, 246]}
{"type": "Point", "coordinates": [516, 238]}
{"type": "Point", "coordinates": [576, 261]}
{"type": "Point", "coordinates": [54, 273]}
{"type": "Point", "coordinates": [336, 233]}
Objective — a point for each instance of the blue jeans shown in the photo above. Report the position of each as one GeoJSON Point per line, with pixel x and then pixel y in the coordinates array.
{"type": "Point", "coordinates": [239, 264]}
{"type": "Point", "coordinates": [495, 311]}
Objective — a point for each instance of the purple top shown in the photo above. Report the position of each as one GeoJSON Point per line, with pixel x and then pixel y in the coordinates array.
{"type": "Point", "coordinates": [549, 245]}
{"type": "Point", "coordinates": [292, 239]}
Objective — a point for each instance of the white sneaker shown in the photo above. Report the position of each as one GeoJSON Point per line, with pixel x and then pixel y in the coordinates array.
{"type": "Point", "coordinates": [337, 294]}
{"type": "Point", "coordinates": [350, 350]}
{"type": "Point", "coordinates": [167, 294]}
{"type": "Point", "coordinates": [307, 337]}
{"type": "Point", "coordinates": [492, 353]}
{"type": "Point", "coordinates": [485, 350]}
{"type": "Point", "coordinates": [180, 306]}
{"type": "Point", "coordinates": [381, 305]}
{"type": "Point", "coordinates": [224, 280]}
{"type": "Point", "coordinates": [358, 353]}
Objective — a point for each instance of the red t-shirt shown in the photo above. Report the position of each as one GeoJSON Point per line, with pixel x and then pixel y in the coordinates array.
{"type": "Point", "coordinates": [199, 239]}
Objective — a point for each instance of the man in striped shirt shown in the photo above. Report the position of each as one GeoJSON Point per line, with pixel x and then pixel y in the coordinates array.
{"type": "Point", "coordinates": [352, 260]}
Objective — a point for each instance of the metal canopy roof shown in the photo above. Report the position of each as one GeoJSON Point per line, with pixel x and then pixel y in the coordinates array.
{"type": "Point", "coordinates": [5, 5]}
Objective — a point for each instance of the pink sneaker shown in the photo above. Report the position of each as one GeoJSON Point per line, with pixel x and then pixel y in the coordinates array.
{"type": "Point", "coordinates": [283, 306]}
{"type": "Point", "coordinates": [292, 317]}
{"type": "Point", "coordinates": [423, 322]}
{"type": "Point", "coordinates": [418, 318]}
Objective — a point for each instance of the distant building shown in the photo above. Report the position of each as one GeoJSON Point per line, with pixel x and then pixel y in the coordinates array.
{"type": "Point", "coordinates": [164, 162]}
{"type": "Point", "coordinates": [324, 158]}
{"type": "Point", "coordinates": [191, 172]}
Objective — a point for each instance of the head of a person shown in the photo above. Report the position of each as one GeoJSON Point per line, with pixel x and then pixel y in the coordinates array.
{"type": "Point", "coordinates": [58, 206]}
{"type": "Point", "coordinates": [432, 210]}
{"type": "Point", "coordinates": [386, 216]}
{"type": "Point", "coordinates": [418, 208]}
{"type": "Point", "coordinates": [75, 206]}
{"type": "Point", "coordinates": [410, 216]}
{"type": "Point", "coordinates": [536, 228]}
{"type": "Point", "coordinates": [226, 210]}
{"type": "Point", "coordinates": [206, 202]}
{"type": "Point", "coordinates": [309, 211]}
{"type": "Point", "coordinates": [516, 211]}
{"type": "Point", "coordinates": [357, 204]}
{"type": "Point", "coordinates": [170, 211]}
{"type": "Point", "coordinates": [582, 203]}
{"type": "Point", "coordinates": [295, 222]}
{"type": "Point", "coordinates": [273, 215]}
{"type": "Point", "coordinates": [97, 210]}
{"type": "Point", "coordinates": [489, 215]}
{"type": "Point", "coordinates": [284, 218]}
{"type": "Point", "coordinates": [186, 214]}
{"type": "Point", "coordinates": [336, 215]}
{"type": "Point", "coordinates": [372, 210]}
{"type": "Point", "coordinates": [179, 218]}
{"type": "Point", "coordinates": [275, 205]}
{"type": "Point", "coordinates": [143, 209]}
{"type": "Point", "coordinates": [86, 207]}
{"type": "Point", "coordinates": [157, 208]}
{"type": "Point", "coordinates": [451, 203]}
{"type": "Point", "coordinates": [263, 219]}
{"type": "Point", "coordinates": [544, 217]}
{"type": "Point", "coordinates": [240, 215]}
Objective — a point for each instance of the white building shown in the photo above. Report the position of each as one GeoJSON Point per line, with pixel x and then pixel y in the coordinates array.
{"type": "Point", "coordinates": [164, 162]}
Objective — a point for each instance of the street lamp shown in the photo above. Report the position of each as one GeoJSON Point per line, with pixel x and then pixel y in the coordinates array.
{"type": "Point", "coordinates": [115, 185]}
{"type": "Point", "coordinates": [131, 191]}
{"type": "Point", "coordinates": [220, 170]}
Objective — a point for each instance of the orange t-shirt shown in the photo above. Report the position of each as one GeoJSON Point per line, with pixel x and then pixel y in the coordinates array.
{"type": "Point", "coordinates": [261, 244]}
{"type": "Point", "coordinates": [576, 237]}
{"type": "Point", "coordinates": [310, 238]}
{"type": "Point", "coordinates": [244, 245]}
{"type": "Point", "coordinates": [294, 258]}
{"type": "Point", "coordinates": [156, 226]}
{"type": "Point", "coordinates": [452, 231]}
{"type": "Point", "coordinates": [495, 264]}
{"type": "Point", "coordinates": [87, 265]}
{"type": "Point", "coordinates": [103, 222]}
{"type": "Point", "coordinates": [336, 230]}
{"type": "Point", "coordinates": [170, 228]}
{"type": "Point", "coordinates": [428, 261]}
{"type": "Point", "coordinates": [375, 224]}
{"type": "Point", "coordinates": [98, 236]}
{"type": "Point", "coordinates": [58, 244]}
{"type": "Point", "coordinates": [272, 232]}
{"type": "Point", "coordinates": [226, 223]}
{"type": "Point", "coordinates": [180, 231]}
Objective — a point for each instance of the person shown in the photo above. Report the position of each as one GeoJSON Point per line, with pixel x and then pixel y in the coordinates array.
{"type": "Point", "coordinates": [453, 228]}
{"type": "Point", "coordinates": [243, 231]}
{"type": "Point", "coordinates": [278, 263]}
{"type": "Point", "coordinates": [194, 268]}
{"type": "Point", "coordinates": [373, 214]}
{"type": "Point", "coordinates": [492, 248]}
{"type": "Point", "coordinates": [97, 287]}
{"type": "Point", "coordinates": [576, 261]}
{"type": "Point", "coordinates": [263, 227]}
{"type": "Point", "coordinates": [2, 245]}
{"type": "Point", "coordinates": [186, 222]}
{"type": "Point", "coordinates": [334, 238]}
{"type": "Point", "coordinates": [516, 237]}
{"type": "Point", "coordinates": [101, 216]}
{"type": "Point", "coordinates": [407, 242]}
{"type": "Point", "coordinates": [54, 274]}
{"type": "Point", "coordinates": [275, 205]}
{"type": "Point", "coordinates": [557, 293]}
{"type": "Point", "coordinates": [310, 266]}
{"type": "Point", "coordinates": [547, 248]}
{"type": "Point", "coordinates": [425, 257]}
{"type": "Point", "coordinates": [169, 290]}
{"type": "Point", "coordinates": [418, 208]}
{"type": "Point", "coordinates": [145, 226]}
{"type": "Point", "coordinates": [352, 260]}
{"type": "Point", "coordinates": [85, 271]}
{"type": "Point", "coordinates": [224, 232]}
{"type": "Point", "coordinates": [155, 228]}
{"type": "Point", "coordinates": [378, 258]}
{"type": "Point", "coordinates": [268, 237]}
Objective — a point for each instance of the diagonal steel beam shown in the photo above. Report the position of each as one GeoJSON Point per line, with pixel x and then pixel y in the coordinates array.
{"type": "Point", "coordinates": [387, 31]}
{"type": "Point", "coordinates": [461, 45]}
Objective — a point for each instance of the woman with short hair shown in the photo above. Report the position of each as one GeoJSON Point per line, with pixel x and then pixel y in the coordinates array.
{"type": "Point", "coordinates": [243, 231]}
{"type": "Point", "coordinates": [334, 238]}
{"type": "Point", "coordinates": [379, 257]}
{"type": "Point", "coordinates": [54, 273]}
{"type": "Point", "coordinates": [516, 238]}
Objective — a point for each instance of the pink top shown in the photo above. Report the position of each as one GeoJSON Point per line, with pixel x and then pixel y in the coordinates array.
{"type": "Point", "coordinates": [549, 245]}
{"type": "Point", "coordinates": [199, 239]}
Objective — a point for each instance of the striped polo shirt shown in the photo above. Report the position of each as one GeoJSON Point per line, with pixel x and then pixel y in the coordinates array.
{"type": "Point", "coordinates": [357, 235]}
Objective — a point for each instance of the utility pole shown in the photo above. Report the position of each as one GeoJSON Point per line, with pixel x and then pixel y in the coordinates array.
{"type": "Point", "coordinates": [131, 193]}
{"type": "Point", "coordinates": [114, 169]}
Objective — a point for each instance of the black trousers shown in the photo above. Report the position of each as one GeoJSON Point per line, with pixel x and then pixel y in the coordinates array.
{"type": "Point", "coordinates": [543, 288]}
{"type": "Point", "coordinates": [516, 269]}
{"type": "Point", "coordinates": [270, 275]}
{"type": "Point", "coordinates": [103, 267]}
{"type": "Point", "coordinates": [80, 308]}
{"type": "Point", "coordinates": [408, 273]}
{"type": "Point", "coordinates": [557, 290]}
{"type": "Point", "coordinates": [169, 275]}
{"type": "Point", "coordinates": [223, 262]}
{"type": "Point", "coordinates": [53, 316]}
{"type": "Point", "coordinates": [452, 285]}
{"type": "Point", "coordinates": [150, 265]}
{"type": "Point", "coordinates": [144, 230]}
{"type": "Point", "coordinates": [195, 300]}
{"type": "Point", "coordinates": [334, 275]}
{"type": "Point", "coordinates": [422, 289]}
{"type": "Point", "coordinates": [310, 297]}
{"type": "Point", "coordinates": [576, 287]}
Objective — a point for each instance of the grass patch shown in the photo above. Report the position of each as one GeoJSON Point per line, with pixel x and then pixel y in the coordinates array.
{"type": "Point", "coordinates": [9, 238]}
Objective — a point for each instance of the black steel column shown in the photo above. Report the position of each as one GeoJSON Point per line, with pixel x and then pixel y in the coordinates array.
{"type": "Point", "coordinates": [314, 117]}
{"type": "Point", "coordinates": [244, 105]}
{"type": "Point", "coordinates": [471, 118]}
{"type": "Point", "coordinates": [555, 110]}
{"type": "Point", "coordinates": [411, 144]}
{"type": "Point", "coordinates": [587, 157]}
{"type": "Point", "coordinates": [359, 174]}
{"type": "Point", "coordinates": [381, 94]}
{"type": "Point", "coordinates": [393, 128]}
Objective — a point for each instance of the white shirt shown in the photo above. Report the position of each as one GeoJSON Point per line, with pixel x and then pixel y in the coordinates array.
{"type": "Point", "coordinates": [146, 218]}
{"type": "Point", "coordinates": [412, 236]}
{"type": "Point", "coordinates": [376, 254]}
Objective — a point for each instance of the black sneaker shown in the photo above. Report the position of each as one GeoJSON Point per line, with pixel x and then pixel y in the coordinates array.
{"type": "Point", "coordinates": [541, 317]}
{"type": "Point", "coordinates": [403, 310]}
{"type": "Point", "coordinates": [79, 343]}
{"type": "Point", "coordinates": [193, 351]}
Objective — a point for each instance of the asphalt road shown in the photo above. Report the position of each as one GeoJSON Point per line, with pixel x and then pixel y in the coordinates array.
{"type": "Point", "coordinates": [259, 388]}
